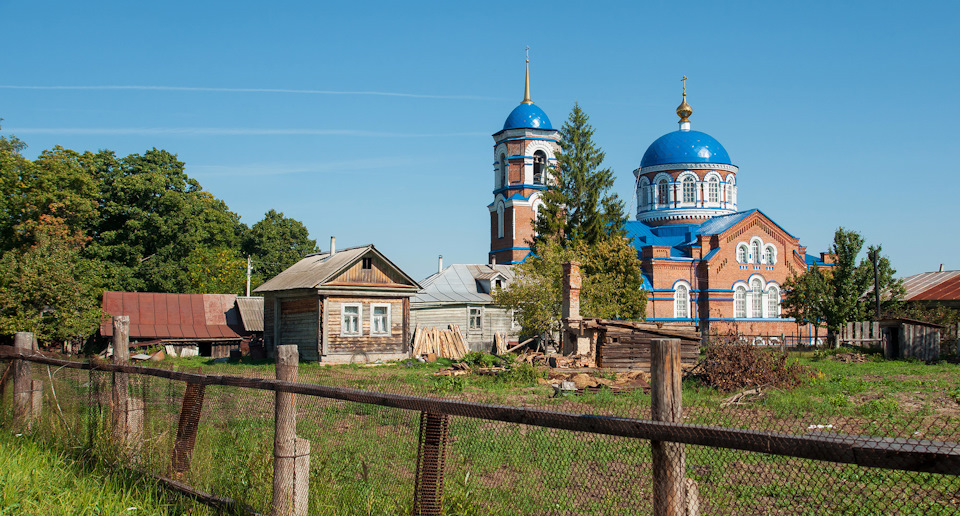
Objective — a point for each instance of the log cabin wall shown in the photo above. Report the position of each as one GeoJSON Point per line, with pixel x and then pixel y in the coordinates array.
{"type": "Point", "coordinates": [378, 274]}
{"type": "Point", "coordinates": [298, 323]}
{"type": "Point", "coordinates": [365, 342]}
{"type": "Point", "coordinates": [493, 319]}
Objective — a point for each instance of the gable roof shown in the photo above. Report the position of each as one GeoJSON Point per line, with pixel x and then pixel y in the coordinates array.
{"type": "Point", "coordinates": [251, 312]}
{"type": "Point", "coordinates": [315, 270]}
{"type": "Point", "coordinates": [156, 315]}
{"type": "Point", "coordinates": [458, 284]}
{"type": "Point", "coordinates": [680, 236]}
{"type": "Point", "coordinates": [933, 286]}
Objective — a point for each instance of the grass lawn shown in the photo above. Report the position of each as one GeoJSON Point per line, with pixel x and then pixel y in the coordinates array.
{"type": "Point", "coordinates": [363, 457]}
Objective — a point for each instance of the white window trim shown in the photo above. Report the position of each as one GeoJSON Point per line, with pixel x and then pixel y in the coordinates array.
{"type": "Point", "coordinates": [746, 252]}
{"type": "Point", "coordinates": [676, 300]}
{"type": "Point", "coordinates": [470, 328]}
{"type": "Point", "coordinates": [773, 294]}
{"type": "Point", "coordinates": [389, 331]}
{"type": "Point", "coordinates": [343, 314]}
{"type": "Point", "coordinates": [752, 299]}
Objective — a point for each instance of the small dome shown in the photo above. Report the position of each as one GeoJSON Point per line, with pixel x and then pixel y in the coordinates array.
{"type": "Point", "coordinates": [685, 147]}
{"type": "Point", "coordinates": [527, 116]}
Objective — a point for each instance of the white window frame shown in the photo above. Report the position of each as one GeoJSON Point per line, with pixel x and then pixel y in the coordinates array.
{"type": "Point", "coordinates": [756, 249]}
{"type": "Point", "coordinates": [756, 298]}
{"type": "Point", "coordinates": [373, 312]}
{"type": "Point", "coordinates": [470, 327]}
{"type": "Point", "coordinates": [740, 302]}
{"type": "Point", "coordinates": [773, 302]}
{"type": "Point", "coordinates": [343, 319]}
{"type": "Point", "coordinates": [770, 252]}
{"type": "Point", "coordinates": [689, 187]}
{"type": "Point", "coordinates": [500, 210]}
{"type": "Point", "coordinates": [742, 248]}
{"type": "Point", "coordinates": [681, 301]}
{"type": "Point", "coordinates": [713, 190]}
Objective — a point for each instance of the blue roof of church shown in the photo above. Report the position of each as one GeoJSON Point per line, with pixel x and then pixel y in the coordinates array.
{"type": "Point", "coordinates": [680, 236]}
{"type": "Point", "coordinates": [527, 116]}
{"type": "Point", "coordinates": [684, 147]}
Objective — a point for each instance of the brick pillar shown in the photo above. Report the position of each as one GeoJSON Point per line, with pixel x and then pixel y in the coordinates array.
{"type": "Point", "coordinates": [571, 290]}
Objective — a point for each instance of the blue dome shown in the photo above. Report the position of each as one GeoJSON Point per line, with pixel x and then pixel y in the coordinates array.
{"type": "Point", "coordinates": [527, 116]}
{"type": "Point", "coordinates": [685, 147]}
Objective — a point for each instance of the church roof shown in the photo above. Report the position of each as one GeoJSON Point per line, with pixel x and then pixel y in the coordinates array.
{"type": "Point", "coordinates": [684, 147]}
{"type": "Point", "coordinates": [680, 236]}
{"type": "Point", "coordinates": [459, 284]}
{"type": "Point", "coordinates": [527, 116]}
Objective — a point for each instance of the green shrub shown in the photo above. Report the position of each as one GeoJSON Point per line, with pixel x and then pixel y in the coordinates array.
{"type": "Point", "coordinates": [449, 384]}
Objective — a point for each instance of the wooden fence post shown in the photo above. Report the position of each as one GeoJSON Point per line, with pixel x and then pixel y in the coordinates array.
{"type": "Point", "coordinates": [188, 426]}
{"type": "Point", "coordinates": [27, 392]}
{"type": "Point", "coordinates": [672, 496]}
{"type": "Point", "coordinates": [291, 454]}
{"type": "Point", "coordinates": [127, 414]}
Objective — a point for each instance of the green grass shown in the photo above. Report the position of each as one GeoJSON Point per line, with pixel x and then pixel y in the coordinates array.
{"type": "Point", "coordinates": [35, 479]}
{"type": "Point", "coordinates": [363, 457]}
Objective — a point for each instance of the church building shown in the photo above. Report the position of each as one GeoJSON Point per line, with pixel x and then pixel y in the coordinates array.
{"type": "Point", "coordinates": [705, 261]}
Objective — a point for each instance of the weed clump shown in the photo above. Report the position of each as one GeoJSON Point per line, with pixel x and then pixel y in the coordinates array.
{"type": "Point", "coordinates": [736, 366]}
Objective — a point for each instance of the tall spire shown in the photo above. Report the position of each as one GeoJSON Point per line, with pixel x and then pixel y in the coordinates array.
{"type": "Point", "coordinates": [526, 86]}
{"type": "Point", "coordinates": [684, 110]}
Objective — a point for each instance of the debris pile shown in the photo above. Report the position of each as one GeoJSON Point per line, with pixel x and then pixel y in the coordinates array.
{"type": "Point", "coordinates": [737, 366]}
{"type": "Point", "coordinates": [579, 383]}
{"type": "Point", "coordinates": [851, 358]}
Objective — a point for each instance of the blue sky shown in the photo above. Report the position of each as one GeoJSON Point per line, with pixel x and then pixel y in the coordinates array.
{"type": "Point", "coordinates": [371, 121]}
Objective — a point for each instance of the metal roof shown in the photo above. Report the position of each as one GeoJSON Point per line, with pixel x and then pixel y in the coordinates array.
{"type": "Point", "coordinates": [933, 286]}
{"type": "Point", "coordinates": [251, 312]}
{"type": "Point", "coordinates": [316, 269]}
{"type": "Point", "coordinates": [458, 284]}
{"type": "Point", "coordinates": [174, 316]}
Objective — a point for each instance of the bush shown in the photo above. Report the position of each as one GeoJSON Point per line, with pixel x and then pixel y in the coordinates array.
{"type": "Point", "coordinates": [736, 366]}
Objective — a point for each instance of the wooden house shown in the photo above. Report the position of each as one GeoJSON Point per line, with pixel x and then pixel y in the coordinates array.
{"type": "Point", "coordinates": [345, 306]}
{"type": "Point", "coordinates": [461, 295]}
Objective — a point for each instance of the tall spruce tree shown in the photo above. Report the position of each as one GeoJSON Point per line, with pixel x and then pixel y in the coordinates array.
{"type": "Point", "coordinates": [577, 205]}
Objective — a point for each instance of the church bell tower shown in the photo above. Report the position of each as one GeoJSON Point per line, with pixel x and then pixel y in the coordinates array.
{"type": "Point", "coordinates": [523, 156]}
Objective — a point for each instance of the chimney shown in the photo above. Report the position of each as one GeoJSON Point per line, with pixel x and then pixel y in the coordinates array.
{"type": "Point", "coordinates": [440, 264]}
{"type": "Point", "coordinates": [571, 290]}
{"type": "Point", "coordinates": [333, 245]}
{"type": "Point", "coordinates": [941, 267]}
{"type": "Point", "coordinates": [493, 259]}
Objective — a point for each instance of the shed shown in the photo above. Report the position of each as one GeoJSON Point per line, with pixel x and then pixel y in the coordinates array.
{"type": "Point", "coordinates": [351, 305]}
{"type": "Point", "coordinates": [209, 321]}
{"type": "Point", "coordinates": [908, 338]}
{"type": "Point", "coordinates": [461, 294]}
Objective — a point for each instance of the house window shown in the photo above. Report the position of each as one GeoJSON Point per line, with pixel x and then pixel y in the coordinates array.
{"type": "Point", "coordinates": [755, 246]}
{"type": "Point", "coordinates": [742, 253]}
{"type": "Point", "coordinates": [498, 283]}
{"type": "Point", "coordinates": [770, 253]}
{"type": "Point", "coordinates": [350, 319]}
{"type": "Point", "coordinates": [740, 302]}
{"type": "Point", "coordinates": [368, 263]}
{"type": "Point", "coordinates": [681, 300]}
{"type": "Point", "coordinates": [773, 302]}
{"type": "Point", "coordinates": [713, 191]}
{"type": "Point", "coordinates": [475, 321]}
{"type": "Point", "coordinates": [756, 304]}
{"type": "Point", "coordinates": [662, 192]}
{"type": "Point", "coordinates": [539, 166]}
{"type": "Point", "coordinates": [380, 320]}
{"type": "Point", "coordinates": [689, 191]}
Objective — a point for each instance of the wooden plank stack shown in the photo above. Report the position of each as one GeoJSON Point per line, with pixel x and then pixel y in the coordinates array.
{"type": "Point", "coordinates": [444, 343]}
{"type": "Point", "coordinates": [629, 348]}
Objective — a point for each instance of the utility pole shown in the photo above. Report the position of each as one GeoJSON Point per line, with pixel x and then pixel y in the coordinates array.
{"type": "Point", "coordinates": [875, 258]}
{"type": "Point", "coordinates": [249, 270]}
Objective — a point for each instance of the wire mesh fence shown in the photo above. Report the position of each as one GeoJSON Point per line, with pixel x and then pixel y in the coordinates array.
{"type": "Point", "coordinates": [379, 443]}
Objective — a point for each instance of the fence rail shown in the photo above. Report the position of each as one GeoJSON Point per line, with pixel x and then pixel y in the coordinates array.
{"type": "Point", "coordinates": [672, 474]}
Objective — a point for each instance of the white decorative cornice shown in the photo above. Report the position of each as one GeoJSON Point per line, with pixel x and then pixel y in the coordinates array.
{"type": "Point", "coordinates": [685, 166]}
{"type": "Point", "coordinates": [682, 213]}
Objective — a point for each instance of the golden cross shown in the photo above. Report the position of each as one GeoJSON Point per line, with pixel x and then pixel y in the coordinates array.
{"type": "Point", "coordinates": [684, 81]}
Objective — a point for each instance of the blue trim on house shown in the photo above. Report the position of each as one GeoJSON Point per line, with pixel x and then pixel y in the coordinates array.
{"type": "Point", "coordinates": [509, 249]}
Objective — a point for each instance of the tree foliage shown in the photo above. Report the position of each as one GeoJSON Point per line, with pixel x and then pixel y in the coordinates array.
{"type": "Point", "coordinates": [838, 294]}
{"type": "Point", "coordinates": [74, 224]}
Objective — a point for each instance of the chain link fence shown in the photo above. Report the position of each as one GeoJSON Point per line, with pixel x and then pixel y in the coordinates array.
{"type": "Point", "coordinates": [384, 440]}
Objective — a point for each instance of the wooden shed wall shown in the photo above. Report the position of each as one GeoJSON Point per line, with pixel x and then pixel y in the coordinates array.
{"type": "Point", "coordinates": [299, 324]}
{"type": "Point", "coordinates": [631, 350]}
{"type": "Point", "coordinates": [364, 343]}
{"type": "Point", "coordinates": [920, 342]}
{"type": "Point", "coordinates": [378, 274]}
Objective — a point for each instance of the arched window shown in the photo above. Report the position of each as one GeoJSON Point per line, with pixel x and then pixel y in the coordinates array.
{"type": "Point", "coordinates": [770, 255]}
{"type": "Point", "coordinates": [773, 302]}
{"type": "Point", "coordinates": [742, 253]}
{"type": "Point", "coordinates": [689, 191]}
{"type": "Point", "coordinates": [643, 194]}
{"type": "Point", "coordinates": [662, 192]}
{"type": "Point", "coordinates": [713, 191]}
{"type": "Point", "coordinates": [681, 301]}
{"type": "Point", "coordinates": [504, 177]}
{"type": "Point", "coordinates": [756, 303]}
{"type": "Point", "coordinates": [539, 166]}
{"type": "Point", "coordinates": [500, 220]}
{"type": "Point", "coordinates": [755, 247]}
{"type": "Point", "coordinates": [729, 194]}
{"type": "Point", "coordinates": [740, 302]}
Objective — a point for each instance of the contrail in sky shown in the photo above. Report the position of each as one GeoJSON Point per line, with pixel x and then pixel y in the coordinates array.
{"type": "Point", "coordinates": [250, 90]}
{"type": "Point", "coordinates": [226, 131]}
